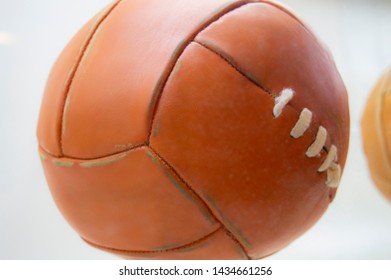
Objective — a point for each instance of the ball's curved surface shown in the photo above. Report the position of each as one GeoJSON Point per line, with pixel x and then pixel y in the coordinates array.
{"type": "Point", "coordinates": [376, 133]}
{"type": "Point", "coordinates": [193, 129]}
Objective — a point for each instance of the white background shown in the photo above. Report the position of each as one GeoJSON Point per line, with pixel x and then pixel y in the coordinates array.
{"type": "Point", "coordinates": [32, 33]}
{"type": "Point", "coordinates": [280, 270]}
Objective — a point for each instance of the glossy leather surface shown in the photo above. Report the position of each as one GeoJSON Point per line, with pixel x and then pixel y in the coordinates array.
{"type": "Point", "coordinates": [162, 143]}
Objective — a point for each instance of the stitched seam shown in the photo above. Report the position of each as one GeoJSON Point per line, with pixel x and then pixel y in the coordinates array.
{"type": "Point", "coordinates": [173, 61]}
{"type": "Point", "coordinates": [319, 43]}
{"type": "Point", "coordinates": [75, 67]}
{"type": "Point", "coordinates": [187, 187]}
{"type": "Point", "coordinates": [236, 67]}
{"type": "Point", "coordinates": [198, 241]}
{"type": "Point", "coordinates": [156, 103]}
{"type": "Point", "coordinates": [233, 64]}
{"type": "Point", "coordinates": [239, 70]}
{"type": "Point", "coordinates": [199, 198]}
{"type": "Point", "coordinates": [171, 65]}
{"type": "Point", "coordinates": [137, 147]}
{"type": "Point", "coordinates": [190, 190]}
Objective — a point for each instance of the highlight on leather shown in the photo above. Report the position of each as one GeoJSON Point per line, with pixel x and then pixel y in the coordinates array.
{"type": "Point", "coordinates": [376, 134]}
{"type": "Point", "coordinates": [173, 130]}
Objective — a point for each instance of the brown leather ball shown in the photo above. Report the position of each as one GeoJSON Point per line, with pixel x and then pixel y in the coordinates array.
{"type": "Point", "coordinates": [376, 133]}
{"type": "Point", "coordinates": [193, 129]}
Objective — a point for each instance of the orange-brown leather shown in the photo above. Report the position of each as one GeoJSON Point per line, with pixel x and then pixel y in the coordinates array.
{"type": "Point", "coordinates": [376, 133]}
{"type": "Point", "coordinates": [157, 135]}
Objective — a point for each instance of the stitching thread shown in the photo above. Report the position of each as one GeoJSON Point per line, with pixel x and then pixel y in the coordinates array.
{"type": "Point", "coordinates": [133, 148]}
{"type": "Point", "coordinates": [303, 124]}
{"type": "Point", "coordinates": [333, 170]}
{"type": "Point", "coordinates": [329, 164]}
{"type": "Point", "coordinates": [181, 48]}
{"type": "Point", "coordinates": [333, 175]}
{"type": "Point", "coordinates": [187, 186]}
{"type": "Point", "coordinates": [234, 65]}
{"type": "Point", "coordinates": [202, 239]}
{"type": "Point", "coordinates": [331, 157]}
{"type": "Point", "coordinates": [195, 194]}
{"type": "Point", "coordinates": [179, 178]}
{"type": "Point", "coordinates": [281, 101]}
{"type": "Point", "coordinates": [75, 67]}
{"type": "Point", "coordinates": [316, 148]}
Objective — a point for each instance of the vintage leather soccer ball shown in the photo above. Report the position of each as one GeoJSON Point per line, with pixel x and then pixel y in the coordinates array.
{"type": "Point", "coordinates": [193, 129]}
{"type": "Point", "coordinates": [376, 133]}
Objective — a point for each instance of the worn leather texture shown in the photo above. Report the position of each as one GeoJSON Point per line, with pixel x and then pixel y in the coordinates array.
{"type": "Point", "coordinates": [157, 133]}
{"type": "Point", "coordinates": [376, 133]}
